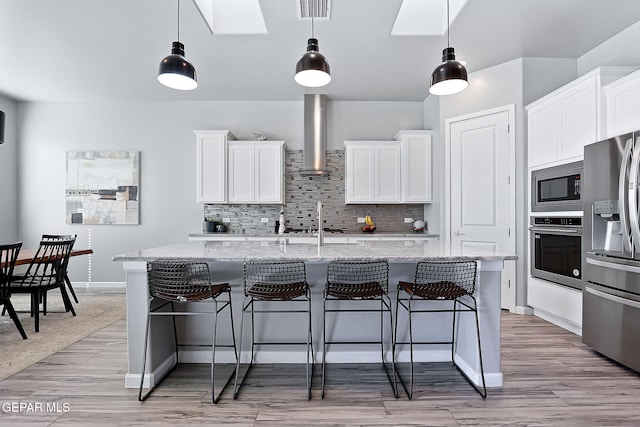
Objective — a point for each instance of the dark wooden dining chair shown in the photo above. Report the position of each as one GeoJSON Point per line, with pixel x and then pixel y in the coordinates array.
{"type": "Point", "coordinates": [8, 256]}
{"type": "Point", "coordinates": [45, 272]}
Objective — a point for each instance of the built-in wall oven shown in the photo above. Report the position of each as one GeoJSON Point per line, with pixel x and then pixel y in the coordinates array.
{"type": "Point", "coordinates": [556, 249]}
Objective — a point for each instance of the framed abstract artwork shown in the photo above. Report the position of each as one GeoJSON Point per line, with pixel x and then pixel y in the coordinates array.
{"type": "Point", "coordinates": [103, 187]}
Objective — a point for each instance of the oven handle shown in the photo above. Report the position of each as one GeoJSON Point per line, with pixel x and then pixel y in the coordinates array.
{"type": "Point", "coordinates": [554, 230]}
{"type": "Point", "coordinates": [613, 298]}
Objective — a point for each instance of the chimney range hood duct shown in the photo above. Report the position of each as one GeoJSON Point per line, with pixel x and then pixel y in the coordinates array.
{"type": "Point", "coordinates": [315, 136]}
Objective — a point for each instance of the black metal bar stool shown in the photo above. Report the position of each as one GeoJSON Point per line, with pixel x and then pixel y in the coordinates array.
{"type": "Point", "coordinates": [178, 282]}
{"type": "Point", "coordinates": [358, 281]}
{"type": "Point", "coordinates": [264, 283]}
{"type": "Point", "coordinates": [453, 281]}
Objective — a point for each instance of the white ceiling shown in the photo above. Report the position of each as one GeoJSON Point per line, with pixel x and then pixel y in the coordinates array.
{"type": "Point", "coordinates": [79, 50]}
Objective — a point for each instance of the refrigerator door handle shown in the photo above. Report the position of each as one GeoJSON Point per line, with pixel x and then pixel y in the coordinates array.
{"type": "Point", "coordinates": [633, 199]}
{"type": "Point", "coordinates": [622, 195]}
{"type": "Point", "coordinates": [610, 263]}
{"type": "Point", "coordinates": [611, 297]}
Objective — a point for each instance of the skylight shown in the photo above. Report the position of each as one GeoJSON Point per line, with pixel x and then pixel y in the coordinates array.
{"type": "Point", "coordinates": [425, 17]}
{"type": "Point", "coordinates": [233, 16]}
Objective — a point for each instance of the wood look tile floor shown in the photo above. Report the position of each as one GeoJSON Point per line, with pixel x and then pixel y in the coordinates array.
{"type": "Point", "coordinates": [550, 379]}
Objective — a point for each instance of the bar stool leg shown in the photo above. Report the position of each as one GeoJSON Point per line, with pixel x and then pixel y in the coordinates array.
{"type": "Point", "coordinates": [309, 351]}
{"type": "Point", "coordinates": [239, 381]}
{"type": "Point", "coordinates": [324, 341]}
{"type": "Point", "coordinates": [410, 394]}
{"type": "Point", "coordinates": [214, 398]}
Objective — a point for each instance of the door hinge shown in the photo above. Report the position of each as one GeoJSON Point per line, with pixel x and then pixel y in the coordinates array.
{"type": "Point", "coordinates": [509, 283]}
{"type": "Point", "coordinates": [508, 128]}
{"type": "Point", "coordinates": [509, 180]}
{"type": "Point", "coordinates": [509, 231]}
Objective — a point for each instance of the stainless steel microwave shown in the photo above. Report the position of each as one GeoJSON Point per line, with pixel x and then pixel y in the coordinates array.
{"type": "Point", "coordinates": [557, 188]}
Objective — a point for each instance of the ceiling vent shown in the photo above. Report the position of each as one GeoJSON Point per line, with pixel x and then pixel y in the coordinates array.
{"type": "Point", "coordinates": [319, 9]}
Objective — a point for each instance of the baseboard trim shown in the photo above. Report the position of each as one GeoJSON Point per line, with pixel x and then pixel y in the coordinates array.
{"type": "Point", "coordinates": [89, 285]}
{"type": "Point", "coordinates": [525, 310]}
{"type": "Point", "coordinates": [150, 379]}
{"type": "Point", "coordinates": [558, 321]}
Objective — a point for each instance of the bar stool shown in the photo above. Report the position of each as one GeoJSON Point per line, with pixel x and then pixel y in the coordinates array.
{"type": "Point", "coordinates": [178, 282]}
{"type": "Point", "coordinates": [266, 282]}
{"type": "Point", "coordinates": [441, 281]}
{"type": "Point", "coordinates": [358, 281]}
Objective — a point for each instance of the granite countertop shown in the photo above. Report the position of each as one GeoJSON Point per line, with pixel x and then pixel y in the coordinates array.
{"type": "Point", "coordinates": [394, 251]}
{"type": "Point", "coordinates": [326, 235]}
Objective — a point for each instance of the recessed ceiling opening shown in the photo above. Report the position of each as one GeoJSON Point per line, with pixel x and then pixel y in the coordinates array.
{"type": "Point", "coordinates": [425, 17]}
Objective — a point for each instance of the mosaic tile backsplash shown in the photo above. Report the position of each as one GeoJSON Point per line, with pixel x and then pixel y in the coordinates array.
{"type": "Point", "coordinates": [301, 197]}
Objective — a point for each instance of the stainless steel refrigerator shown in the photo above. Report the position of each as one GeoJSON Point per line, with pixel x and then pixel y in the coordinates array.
{"type": "Point", "coordinates": [611, 249]}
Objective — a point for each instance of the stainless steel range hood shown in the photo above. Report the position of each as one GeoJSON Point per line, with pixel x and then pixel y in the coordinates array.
{"type": "Point", "coordinates": [315, 136]}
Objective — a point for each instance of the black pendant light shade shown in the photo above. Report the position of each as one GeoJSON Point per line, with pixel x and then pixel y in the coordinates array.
{"type": "Point", "coordinates": [176, 72]}
{"type": "Point", "coordinates": [312, 70]}
{"type": "Point", "coordinates": [449, 77]}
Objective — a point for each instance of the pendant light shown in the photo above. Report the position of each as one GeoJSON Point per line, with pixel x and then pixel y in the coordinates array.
{"type": "Point", "coordinates": [175, 71]}
{"type": "Point", "coordinates": [312, 70]}
{"type": "Point", "coordinates": [449, 77]}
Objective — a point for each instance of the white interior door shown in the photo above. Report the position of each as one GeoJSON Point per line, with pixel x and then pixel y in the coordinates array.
{"type": "Point", "coordinates": [481, 206]}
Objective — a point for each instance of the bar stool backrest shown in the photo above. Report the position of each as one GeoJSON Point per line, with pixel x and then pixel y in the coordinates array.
{"type": "Point", "coordinates": [49, 263]}
{"type": "Point", "coordinates": [447, 279]}
{"type": "Point", "coordinates": [8, 256]}
{"type": "Point", "coordinates": [179, 281]}
{"type": "Point", "coordinates": [358, 273]}
{"type": "Point", "coordinates": [278, 276]}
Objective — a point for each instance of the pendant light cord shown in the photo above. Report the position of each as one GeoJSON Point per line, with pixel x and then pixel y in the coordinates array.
{"type": "Point", "coordinates": [313, 12]}
{"type": "Point", "coordinates": [448, 25]}
{"type": "Point", "coordinates": [178, 20]}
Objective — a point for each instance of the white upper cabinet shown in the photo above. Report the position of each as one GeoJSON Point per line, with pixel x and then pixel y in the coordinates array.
{"type": "Point", "coordinates": [389, 171]}
{"type": "Point", "coordinates": [256, 172]}
{"type": "Point", "coordinates": [372, 172]}
{"type": "Point", "coordinates": [229, 171]}
{"type": "Point", "coordinates": [211, 165]}
{"type": "Point", "coordinates": [561, 123]}
{"type": "Point", "coordinates": [622, 105]}
{"type": "Point", "coordinates": [416, 166]}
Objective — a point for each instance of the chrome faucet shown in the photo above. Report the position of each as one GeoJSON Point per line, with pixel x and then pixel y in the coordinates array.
{"type": "Point", "coordinates": [320, 227]}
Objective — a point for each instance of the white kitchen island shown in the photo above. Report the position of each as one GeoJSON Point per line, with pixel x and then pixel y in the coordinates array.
{"type": "Point", "coordinates": [226, 260]}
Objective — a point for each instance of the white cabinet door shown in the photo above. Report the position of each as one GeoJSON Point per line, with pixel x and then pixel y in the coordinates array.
{"type": "Point", "coordinates": [269, 173]}
{"type": "Point", "coordinates": [241, 172]}
{"type": "Point", "coordinates": [359, 175]}
{"type": "Point", "coordinates": [623, 105]}
{"type": "Point", "coordinates": [387, 173]}
{"type": "Point", "coordinates": [256, 172]}
{"type": "Point", "coordinates": [372, 172]}
{"type": "Point", "coordinates": [416, 167]}
{"type": "Point", "coordinates": [211, 166]}
{"type": "Point", "coordinates": [543, 133]}
{"type": "Point", "coordinates": [579, 118]}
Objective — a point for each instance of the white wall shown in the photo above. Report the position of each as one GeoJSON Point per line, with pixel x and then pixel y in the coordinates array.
{"type": "Point", "coordinates": [621, 49]}
{"type": "Point", "coordinates": [162, 132]}
{"type": "Point", "coordinates": [9, 174]}
{"type": "Point", "coordinates": [431, 120]}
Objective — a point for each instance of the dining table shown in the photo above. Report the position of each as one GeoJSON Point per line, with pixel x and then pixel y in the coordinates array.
{"type": "Point", "coordinates": [25, 256]}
